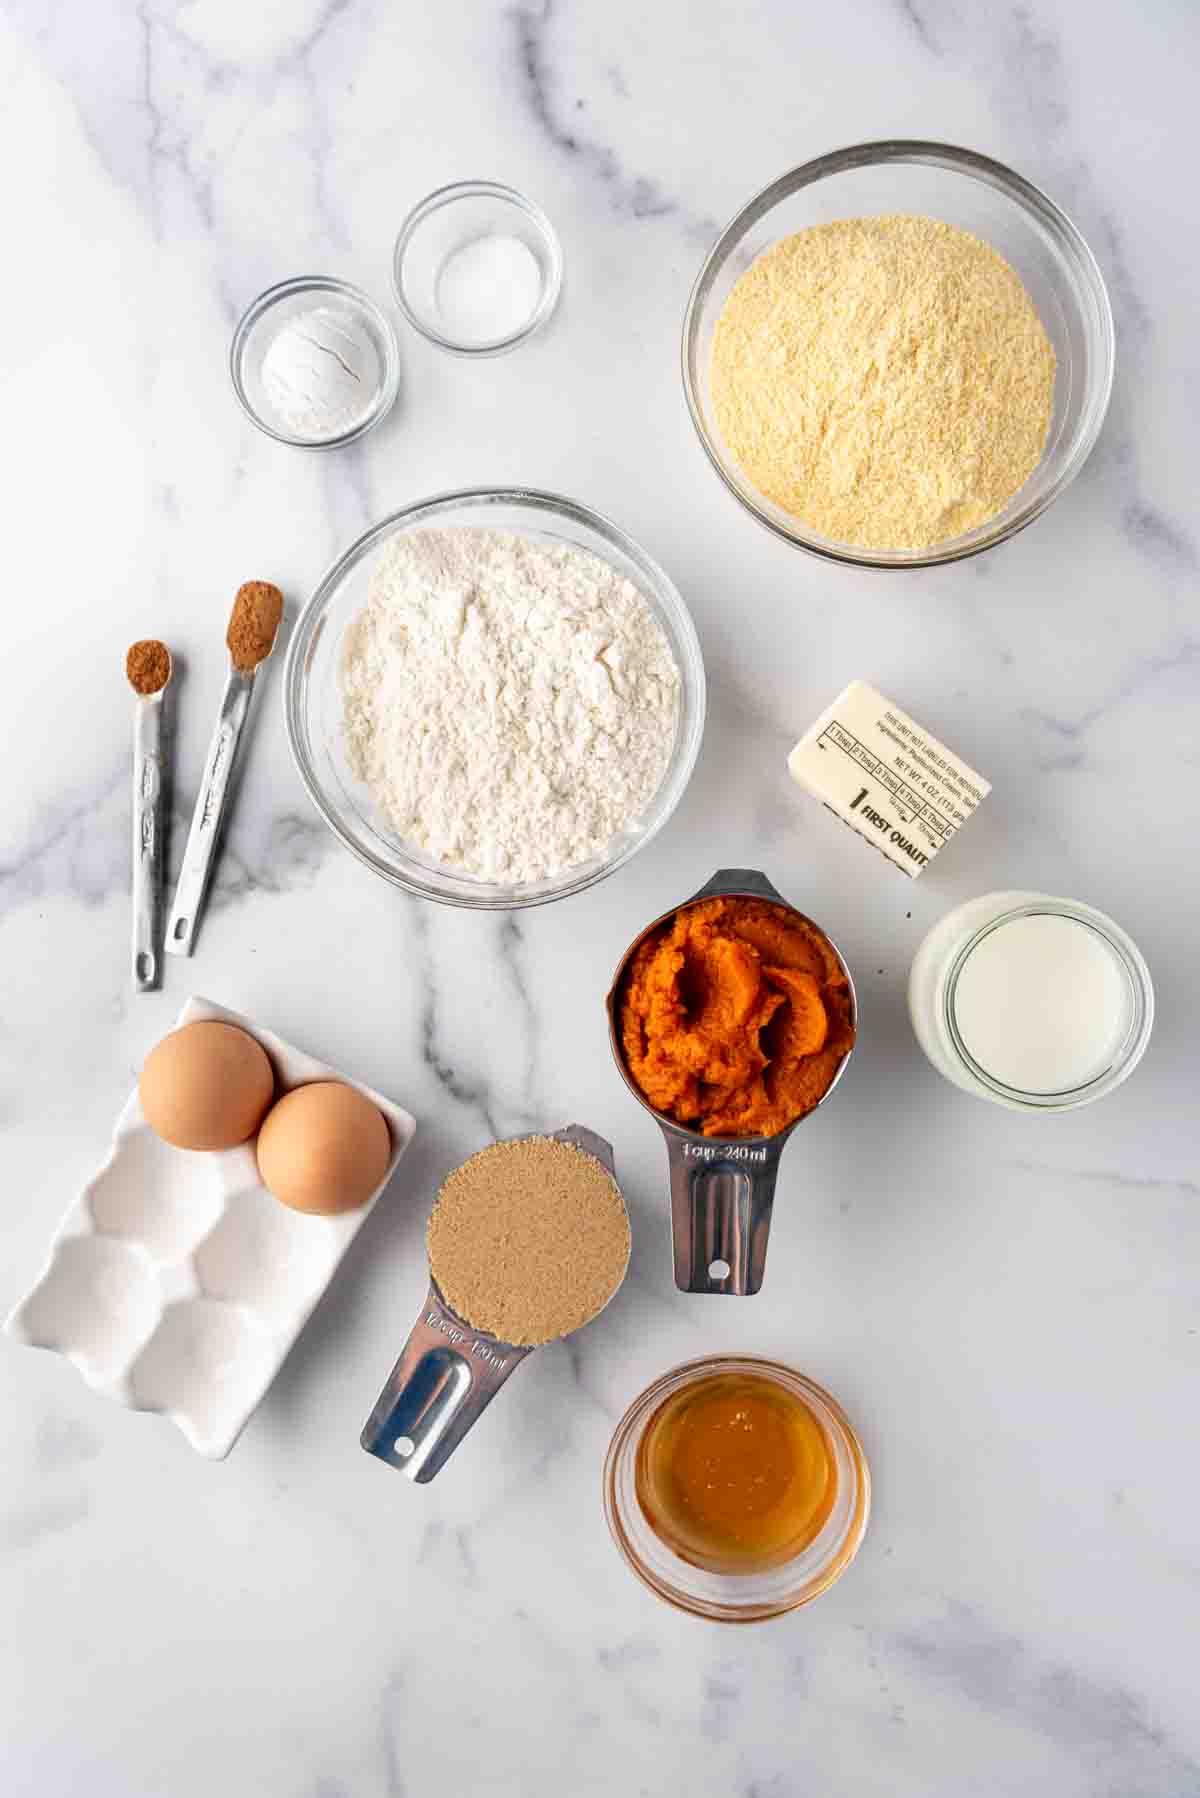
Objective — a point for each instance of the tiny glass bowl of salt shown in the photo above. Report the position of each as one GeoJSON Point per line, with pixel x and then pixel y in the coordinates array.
{"type": "Point", "coordinates": [477, 268]}
{"type": "Point", "coordinates": [314, 362]}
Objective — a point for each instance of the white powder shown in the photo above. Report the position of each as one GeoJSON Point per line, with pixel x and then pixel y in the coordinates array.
{"type": "Point", "coordinates": [488, 289]}
{"type": "Point", "coordinates": [509, 703]}
{"type": "Point", "coordinates": [321, 373]}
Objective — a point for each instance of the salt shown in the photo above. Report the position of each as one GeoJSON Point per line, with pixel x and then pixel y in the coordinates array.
{"type": "Point", "coordinates": [488, 289]}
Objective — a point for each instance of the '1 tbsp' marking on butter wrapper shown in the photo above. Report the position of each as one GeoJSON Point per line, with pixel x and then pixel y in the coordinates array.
{"type": "Point", "coordinates": [885, 777]}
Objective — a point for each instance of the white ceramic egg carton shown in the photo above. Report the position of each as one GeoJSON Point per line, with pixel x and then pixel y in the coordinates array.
{"type": "Point", "coordinates": [176, 1282]}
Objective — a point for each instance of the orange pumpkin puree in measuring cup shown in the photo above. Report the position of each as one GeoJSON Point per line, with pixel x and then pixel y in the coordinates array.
{"type": "Point", "coordinates": [735, 1017]}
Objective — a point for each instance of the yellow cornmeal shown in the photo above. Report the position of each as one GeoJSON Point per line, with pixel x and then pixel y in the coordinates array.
{"type": "Point", "coordinates": [885, 380]}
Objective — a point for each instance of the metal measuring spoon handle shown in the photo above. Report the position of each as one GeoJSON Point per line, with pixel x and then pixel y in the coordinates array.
{"type": "Point", "coordinates": [147, 862]}
{"type": "Point", "coordinates": [446, 1377]}
{"type": "Point", "coordinates": [198, 858]}
{"type": "Point", "coordinates": [250, 638]}
{"type": "Point", "coordinates": [722, 1195]}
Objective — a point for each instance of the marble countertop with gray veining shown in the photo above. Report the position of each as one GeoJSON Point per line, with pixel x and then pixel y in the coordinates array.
{"type": "Point", "coordinates": [1006, 1305]}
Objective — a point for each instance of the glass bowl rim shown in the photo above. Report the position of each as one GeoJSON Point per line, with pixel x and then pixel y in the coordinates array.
{"type": "Point", "coordinates": [258, 308]}
{"type": "Point", "coordinates": [641, 1407]}
{"type": "Point", "coordinates": [956, 160]}
{"type": "Point", "coordinates": [693, 684]}
{"type": "Point", "coordinates": [449, 196]}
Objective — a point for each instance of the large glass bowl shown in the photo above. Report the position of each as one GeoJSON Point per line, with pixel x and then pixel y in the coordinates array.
{"type": "Point", "coordinates": [978, 195]}
{"type": "Point", "coordinates": [313, 700]}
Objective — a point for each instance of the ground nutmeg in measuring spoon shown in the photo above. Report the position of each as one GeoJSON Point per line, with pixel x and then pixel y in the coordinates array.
{"type": "Point", "coordinates": [529, 1239]}
{"type": "Point", "coordinates": [148, 666]}
{"type": "Point", "coordinates": [257, 609]}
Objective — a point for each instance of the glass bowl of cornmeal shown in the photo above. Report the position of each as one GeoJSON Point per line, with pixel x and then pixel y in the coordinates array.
{"type": "Point", "coordinates": [736, 1489]}
{"type": "Point", "coordinates": [898, 354]}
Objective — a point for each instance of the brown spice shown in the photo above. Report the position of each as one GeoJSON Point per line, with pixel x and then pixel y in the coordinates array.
{"type": "Point", "coordinates": [148, 666]}
{"type": "Point", "coordinates": [253, 624]}
{"type": "Point", "coordinates": [529, 1239]}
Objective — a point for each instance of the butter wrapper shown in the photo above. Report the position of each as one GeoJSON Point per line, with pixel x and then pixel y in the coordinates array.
{"type": "Point", "coordinates": [886, 777]}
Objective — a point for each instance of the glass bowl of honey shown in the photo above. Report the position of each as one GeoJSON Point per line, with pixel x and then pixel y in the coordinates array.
{"type": "Point", "coordinates": [736, 1488]}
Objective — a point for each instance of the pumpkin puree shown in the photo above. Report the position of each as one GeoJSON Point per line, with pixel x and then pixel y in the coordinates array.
{"type": "Point", "coordinates": [735, 1017]}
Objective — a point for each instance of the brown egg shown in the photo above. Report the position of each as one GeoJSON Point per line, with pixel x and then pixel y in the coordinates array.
{"type": "Point", "coordinates": [206, 1086]}
{"type": "Point", "coordinates": [323, 1148]}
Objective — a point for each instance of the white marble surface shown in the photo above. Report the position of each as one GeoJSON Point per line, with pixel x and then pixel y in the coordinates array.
{"type": "Point", "coordinates": [1006, 1305]}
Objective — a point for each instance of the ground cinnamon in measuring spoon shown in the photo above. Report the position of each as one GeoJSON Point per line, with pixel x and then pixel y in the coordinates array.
{"type": "Point", "coordinates": [529, 1239]}
{"type": "Point", "coordinates": [148, 666]}
{"type": "Point", "coordinates": [253, 623]}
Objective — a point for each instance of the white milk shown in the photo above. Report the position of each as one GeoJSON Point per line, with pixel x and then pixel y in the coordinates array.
{"type": "Point", "coordinates": [1042, 1004]}
{"type": "Point", "coordinates": [1033, 1002]}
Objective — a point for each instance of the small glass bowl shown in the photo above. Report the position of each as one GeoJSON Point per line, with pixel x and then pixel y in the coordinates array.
{"type": "Point", "coordinates": [737, 1598]}
{"type": "Point", "coordinates": [933, 985]}
{"type": "Point", "coordinates": [980, 196]}
{"type": "Point", "coordinates": [256, 332]}
{"type": "Point", "coordinates": [313, 700]}
{"type": "Point", "coordinates": [448, 220]}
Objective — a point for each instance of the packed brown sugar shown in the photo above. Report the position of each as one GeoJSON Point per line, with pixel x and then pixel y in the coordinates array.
{"type": "Point", "coordinates": [529, 1239]}
{"type": "Point", "coordinates": [887, 381]}
{"type": "Point", "coordinates": [735, 1017]}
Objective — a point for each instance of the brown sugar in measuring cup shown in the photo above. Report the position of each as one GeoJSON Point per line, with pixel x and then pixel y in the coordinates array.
{"type": "Point", "coordinates": [728, 1106]}
{"type": "Point", "coordinates": [528, 1241]}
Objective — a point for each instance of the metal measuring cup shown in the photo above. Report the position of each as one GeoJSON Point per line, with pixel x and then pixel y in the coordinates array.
{"type": "Point", "coordinates": [722, 1187]}
{"type": "Point", "coordinates": [449, 1372]}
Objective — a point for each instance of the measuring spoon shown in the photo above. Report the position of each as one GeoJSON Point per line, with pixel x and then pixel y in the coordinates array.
{"type": "Point", "coordinates": [147, 861]}
{"type": "Point", "coordinates": [199, 856]}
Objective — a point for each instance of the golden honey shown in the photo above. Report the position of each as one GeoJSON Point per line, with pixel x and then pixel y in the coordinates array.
{"type": "Point", "coordinates": [735, 1473]}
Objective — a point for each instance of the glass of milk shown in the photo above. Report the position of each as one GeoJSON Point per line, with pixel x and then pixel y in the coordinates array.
{"type": "Point", "coordinates": [1031, 1001]}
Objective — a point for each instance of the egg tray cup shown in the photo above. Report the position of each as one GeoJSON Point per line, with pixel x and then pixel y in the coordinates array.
{"type": "Point", "coordinates": [176, 1282]}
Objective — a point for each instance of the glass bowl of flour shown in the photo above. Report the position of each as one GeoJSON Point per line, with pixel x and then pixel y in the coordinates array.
{"type": "Point", "coordinates": [495, 698]}
{"type": "Point", "coordinates": [835, 372]}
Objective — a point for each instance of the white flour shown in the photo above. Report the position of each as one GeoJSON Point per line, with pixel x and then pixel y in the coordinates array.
{"type": "Point", "coordinates": [509, 703]}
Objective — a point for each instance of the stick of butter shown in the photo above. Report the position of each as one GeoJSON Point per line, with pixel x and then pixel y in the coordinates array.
{"type": "Point", "coordinates": [885, 777]}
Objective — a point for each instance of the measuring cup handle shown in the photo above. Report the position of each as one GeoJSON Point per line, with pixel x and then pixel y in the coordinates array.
{"type": "Point", "coordinates": [721, 1200]}
{"type": "Point", "coordinates": [445, 1378]}
{"type": "Point", "coordinates": [742, 881]}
